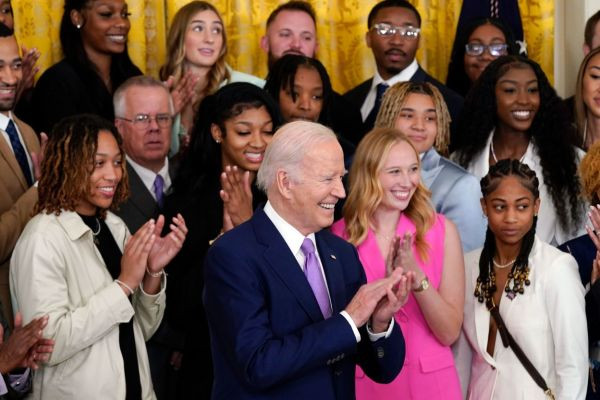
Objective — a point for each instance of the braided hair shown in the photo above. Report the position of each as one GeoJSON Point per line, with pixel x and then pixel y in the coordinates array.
{"type": "Point", "coordinates": [489, 183]}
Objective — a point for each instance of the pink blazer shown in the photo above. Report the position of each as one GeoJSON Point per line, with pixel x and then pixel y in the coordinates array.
{"type": "Point", "coordinates": [429, 371]}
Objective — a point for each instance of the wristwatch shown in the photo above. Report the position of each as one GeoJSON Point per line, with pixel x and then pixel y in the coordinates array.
{"type": "Point", "coordinates": [424, 285]}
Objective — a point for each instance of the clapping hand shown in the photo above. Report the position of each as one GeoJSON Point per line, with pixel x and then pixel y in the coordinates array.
{"type": "Point", "coordinates": [594, 230]}
{"type": "Point", "coordinates": [28, 68]}
{"type": "Point", "coordinates": [182, 92]}
{"type": "Point", "coordinates": [236, 195]}
{"type": "Point", "coordinates": [165, 248]}
{"type": "Point", "coordinates": [401, 255]}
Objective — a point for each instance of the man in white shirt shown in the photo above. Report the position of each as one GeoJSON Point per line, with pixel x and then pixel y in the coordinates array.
{"type": "Point", "coordinates": [286, 300]}
{"type": "Point", "coordinates": [144, 116]}
{"type": "Point", "coordinates": [393, 36]}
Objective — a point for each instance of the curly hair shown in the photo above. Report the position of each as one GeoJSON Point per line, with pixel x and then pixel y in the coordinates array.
{"type": "Point", "coordinates": [68, 164]}
{"type": "Point", "coordinates": [395, 97]}
{"type": "Point", "coordinates": [203, 160]}
{"type": "Point", "coordinates": [580, 106]}
{"type": "Point", "coordinates": [550, 132]}
{"type": "Point", "coordinates": [366, 193]}
{"type": "Point", "coordinates": [457, 79]}
{"type": "Point", "coordinates": [175, 64]}
{"type": "Point", "coordinates": [489, 183]}
{"type": "Point", "coordinates": [589, 172]}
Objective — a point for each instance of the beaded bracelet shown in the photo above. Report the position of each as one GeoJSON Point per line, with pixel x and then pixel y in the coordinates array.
{"type": "Point", "coordinates": [155, 274]}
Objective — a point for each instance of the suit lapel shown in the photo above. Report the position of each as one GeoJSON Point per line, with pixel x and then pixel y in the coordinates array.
{"type": "Point", "coordinates": [283, 263]}
{"type": "Point", "coordinates": [140, 197]}
{"type": "Point", "coordinates": [430, 167]}
{"type": "Point", "coordinates": [333, 273]}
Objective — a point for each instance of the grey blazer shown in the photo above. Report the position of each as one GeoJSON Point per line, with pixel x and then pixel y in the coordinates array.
{"type": "Point", "coordinates": [455, 193]}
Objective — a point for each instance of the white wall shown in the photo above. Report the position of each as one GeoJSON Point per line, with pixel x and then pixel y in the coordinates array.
{"type": "Point", "coordinates": [570, 18]}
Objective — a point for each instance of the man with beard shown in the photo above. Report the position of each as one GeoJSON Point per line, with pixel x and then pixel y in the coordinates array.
{"type": "Point", "coordinates": [393, 37]}
{"type": "Point", "coordinates": [19, 164]}
{"type": "Point", "coordinates": [292, 29]}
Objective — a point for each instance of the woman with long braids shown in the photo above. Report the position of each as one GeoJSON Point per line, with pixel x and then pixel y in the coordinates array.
{"type": "Point", "coordinates": [512, 111]}
{"type": "Point", "coordinates": [535, 290]}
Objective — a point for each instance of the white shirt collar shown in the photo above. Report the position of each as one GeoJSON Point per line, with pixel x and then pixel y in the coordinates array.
{"type": "Point", "coordinates": [402, 76]}
{"type": "Point", "coordinates": [4, 120]}
{"type": "Point", "coordinates": [148, 176]}
{"type": "Point", "coordinates": [292, 237]}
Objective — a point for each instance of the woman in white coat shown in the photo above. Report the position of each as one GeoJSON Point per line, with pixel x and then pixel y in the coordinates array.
{"type": "Point", "coordinates": [537, 291]}
{"type": "Point", "coordinates": [102, 289]}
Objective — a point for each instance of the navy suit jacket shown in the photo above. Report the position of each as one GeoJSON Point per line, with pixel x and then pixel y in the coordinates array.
{"type": "Point", "coordinates": [453, 100]}
{"type": "Point", "coordinates": [268, 337]}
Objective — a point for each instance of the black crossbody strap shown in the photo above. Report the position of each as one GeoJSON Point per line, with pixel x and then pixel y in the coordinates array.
{"type": "Point", "coordinates": [509, 341]}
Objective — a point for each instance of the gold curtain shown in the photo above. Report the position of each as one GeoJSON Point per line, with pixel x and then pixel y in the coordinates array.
{"type": "Point", "coordinates": [341, 28]}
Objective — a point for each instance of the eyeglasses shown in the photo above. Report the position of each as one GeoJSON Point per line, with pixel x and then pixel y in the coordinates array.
{"type": "Point", "coordinates": [409, 32]}
{"type": "Point", "coordinates": [142, 121]}
{"type": "Point", "coordinates": [477, 49]}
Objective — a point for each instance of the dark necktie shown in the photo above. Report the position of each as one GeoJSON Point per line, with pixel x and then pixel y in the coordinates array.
{"type": "Point", "coordinates": [19, 151]}
{"type": "Point", "coordinates": [315, 277]}
{"type": "Point", "coordinates": [159, 183]}
{"type": "Point", "coordinates": [370, 121]}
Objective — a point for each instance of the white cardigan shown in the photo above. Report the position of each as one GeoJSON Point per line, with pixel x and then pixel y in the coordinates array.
{"type": "Point", "coordinates": [547, 321]}
{"type": "Point", "coordinates": [56, 270]}
{"type": "Point", "coordinates": [548, 227]}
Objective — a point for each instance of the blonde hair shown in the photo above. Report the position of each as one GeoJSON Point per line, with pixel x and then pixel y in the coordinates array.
{"type": "Point", "coordinates": [580, 106]}
{"type": "Point", "coordinates": [589, 170]}
{"type": "Point", "coordinates": [366, 192]}
{"type": "Point", "coordinates": [176, 48]}
{"type": "Point", "coordinates": [394, 99]}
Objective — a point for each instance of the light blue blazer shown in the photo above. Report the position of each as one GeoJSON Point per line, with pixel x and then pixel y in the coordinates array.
{"type": "Point", "coordinates": [455, 193]}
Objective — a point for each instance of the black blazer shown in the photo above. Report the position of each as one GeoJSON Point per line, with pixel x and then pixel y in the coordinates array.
{"type": "Point", "coordinates": [453, 100]}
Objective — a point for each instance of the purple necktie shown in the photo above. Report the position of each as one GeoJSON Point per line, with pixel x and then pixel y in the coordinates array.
{"type": "Point", "coordinates": [159, 183]}
{"type": "Point", "coordinates": [315, 277]}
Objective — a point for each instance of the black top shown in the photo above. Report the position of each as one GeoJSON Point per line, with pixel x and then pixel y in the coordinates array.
{"type": "Point", "coordinates": [67, 89]}
{"type": "Point", "coordinates": [111, 254]}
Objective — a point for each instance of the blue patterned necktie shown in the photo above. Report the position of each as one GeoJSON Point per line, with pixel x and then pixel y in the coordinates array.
{"type": "Point", "coordinates": [19, 151]}
{"type": "Point", "coordinates": [315, 277]}
{"type": "Point", "coordinates": [159, 183]}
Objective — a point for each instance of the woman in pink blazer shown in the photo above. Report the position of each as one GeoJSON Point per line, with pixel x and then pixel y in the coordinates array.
{"type": "Point", "coordinates": [388, 210]}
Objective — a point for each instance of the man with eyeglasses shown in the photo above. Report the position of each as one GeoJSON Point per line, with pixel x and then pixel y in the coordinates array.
{"type": "Point", "coordinates": [143, 116]}
{"type": "Point", "coordinates": [393, 36]}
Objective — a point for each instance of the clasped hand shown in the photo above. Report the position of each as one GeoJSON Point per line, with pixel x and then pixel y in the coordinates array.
{"type": "Point", "coordinates": [148, 250]}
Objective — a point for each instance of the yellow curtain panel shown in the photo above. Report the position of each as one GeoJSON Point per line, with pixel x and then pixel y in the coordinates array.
{"type": "Point", "coordinates": [341, 29]}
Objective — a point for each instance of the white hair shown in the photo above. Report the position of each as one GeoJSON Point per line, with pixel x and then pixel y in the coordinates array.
{"type": "Point", "coordinates": [137, 81]}
{"type": "Point", "coordinates": [288, 148]}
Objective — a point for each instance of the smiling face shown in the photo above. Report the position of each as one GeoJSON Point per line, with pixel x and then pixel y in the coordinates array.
{"type": "Point", "coordinates": [308, 94]}
{"type": "Point", "coordinates": [591, 86]}
{"type": "Point", "coordinates": [418, 121]}
{"type": "Point", "coordinates": [203, 39]}
{"type": "Point", "coordinates": [399, 177]}
{"type": "Point", "coordinates": [311, 201]}
{"type": "Point", "coordinates": [393, 53]}
{"type": "Point", "coordinates": [291, 32]}
{"type": "Point", "coordinates": [486, 35]}
{"type": "Point", "coordinates": [104, 25]}
{"type": "Point", "coordinates": [107, 172]}
{"type": "Point", "coordinates": [517, 99]}
{"type": "Point", "coordinates": [510, 210]}
{"type": "Point", "coordinates": [10, 72]}
{"type": "Point", "coordinates": [246, 138]}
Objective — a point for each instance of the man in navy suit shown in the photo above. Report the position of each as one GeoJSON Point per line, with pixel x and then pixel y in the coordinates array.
{"type": "Point", "coordinates": [277, 330]}
{"type": "Point", "coordinates": [393, 37]}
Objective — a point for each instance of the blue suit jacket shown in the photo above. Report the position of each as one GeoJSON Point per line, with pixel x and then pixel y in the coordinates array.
{"type": "Point", "coordinates": [456, 194]}
{"type": "Point", "coordinates": [268, 337]}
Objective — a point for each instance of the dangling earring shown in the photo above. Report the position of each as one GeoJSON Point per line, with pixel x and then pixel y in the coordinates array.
{"type": "Point", "coordinates": [78, 26]}
{"type": "Point", "coordinates": [218, 141]}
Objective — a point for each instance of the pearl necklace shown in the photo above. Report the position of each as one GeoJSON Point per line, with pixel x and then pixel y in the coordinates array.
{"type": "Point", "coordinates": [502, 266]}
{"type": "Point", "coordinates": [494, 153]}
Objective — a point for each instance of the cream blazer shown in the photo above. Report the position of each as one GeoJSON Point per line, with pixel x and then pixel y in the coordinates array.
{"type": "Point", "coordinates": [548, 226]}
{"type": "Point", "coordinates": [56, 270]}
{"type": "Point", "coordinates": [547, 321]}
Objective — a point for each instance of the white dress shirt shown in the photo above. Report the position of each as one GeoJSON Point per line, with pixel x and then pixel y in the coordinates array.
{"type": "Point", "coordinates": [403, 76]}
{"type": "Point", "coordinates": [293, 238]}
{"type": "Point", "coordinates": [148, 176]}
